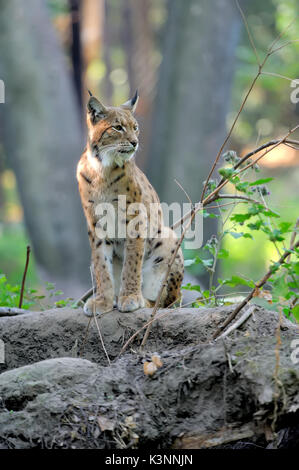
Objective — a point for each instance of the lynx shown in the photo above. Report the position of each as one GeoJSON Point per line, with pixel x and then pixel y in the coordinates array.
{"type": "Point", "coordinates": [127, 271]}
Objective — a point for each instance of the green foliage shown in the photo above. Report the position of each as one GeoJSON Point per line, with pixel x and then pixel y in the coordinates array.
{"type": "Point", "coordinates": [256, 218]}
{"type": "Point", "coordinates": [10, 296]}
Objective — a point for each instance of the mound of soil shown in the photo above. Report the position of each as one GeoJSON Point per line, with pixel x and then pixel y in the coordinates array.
{"type": "Point", "coordinates": [57, 388]}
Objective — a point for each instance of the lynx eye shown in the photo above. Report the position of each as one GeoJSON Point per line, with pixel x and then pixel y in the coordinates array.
{"type": "Point", "coordinates": [118, 128]}
{"type": "Point", "coordinates": [135, 128]}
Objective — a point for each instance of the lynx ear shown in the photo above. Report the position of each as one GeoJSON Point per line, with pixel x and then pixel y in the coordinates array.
{"type": "Point", "coordinates": [132, 103]}
{"type": "Point", "coordinates": [96, 109]}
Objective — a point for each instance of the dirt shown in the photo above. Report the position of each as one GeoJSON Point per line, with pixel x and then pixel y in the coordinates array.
{"type": "Point", "coordinates": [206, 394]}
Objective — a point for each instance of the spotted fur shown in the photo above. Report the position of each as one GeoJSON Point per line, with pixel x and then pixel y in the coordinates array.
{"type": "Point", "coordinates": [127, 272]}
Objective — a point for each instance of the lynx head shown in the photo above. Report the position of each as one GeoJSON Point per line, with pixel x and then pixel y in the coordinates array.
{"type": "Point", "coordinates": [112, 132]}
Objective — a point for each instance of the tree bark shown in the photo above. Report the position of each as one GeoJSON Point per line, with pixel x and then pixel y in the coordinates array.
{"type": "Point", "coordinates": [43, 140]}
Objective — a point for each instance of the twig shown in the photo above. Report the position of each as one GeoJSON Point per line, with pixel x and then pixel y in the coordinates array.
{"type": "Point", "coordinates": [85, 337]}
{"type": "Point", "coordinates": [276, 370]}
{"type": "Point", "coordinates": [13, 311]}
{"type": "Point", "coordinates": [84, 297]}
{"type": "Point", "coordinates": [184, 191]}
{"type": "Point", "coordinates": [251, 294]}
{"type": "Point", "coordinates": [248, 32]}
{"type": "Point", "coordinates": [214, 194]}
{"type": "Point", "coordinates": [24, 276]}
{"type": "Point", "coordinates": [272, 74]}
{"type": "Point", "coordinates": [239, 322]}
{"type": "Point", "coordinates": [157, 317]}
{"type": "Point", "coordinates": [236, 196]}
{"type": "Point", "coordinates": [271, 143]}
{"type": "Point", "coordinates": [96, 322]}
{"type": "Point", "coordinates": [283, 45]}
{"type": "Point", "coordinates": [293, 236]}
{"type": "Point", "coordinates": [282, 33]}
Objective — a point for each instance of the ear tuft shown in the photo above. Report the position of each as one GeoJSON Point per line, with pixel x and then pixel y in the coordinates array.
{"type": "Point", "coordinates": [96, 109]}
{"type": "Point", "coordinates": [132, 103]}
{"type": "Point", "coordinates": [90, 94]}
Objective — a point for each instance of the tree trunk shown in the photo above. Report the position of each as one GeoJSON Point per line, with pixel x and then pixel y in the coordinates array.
{"type": "Point", "coordinates": [43, 140]}
{"type": "Point", "coordinates": [193, 96]}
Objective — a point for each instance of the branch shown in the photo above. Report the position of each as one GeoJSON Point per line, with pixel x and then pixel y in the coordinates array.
{"type": "Point", "coordinates": [239, 322]}
{"type": "Point", "coordinates": [24, 276]}
{"type": "Point", "coordinates": [236, 196]}
{"type": "Point", "coordinates": [214, 194]}
{"type": "Point", "coordinates": [251, 294]}
{"type": "Point", "coordinates": [12, 311]}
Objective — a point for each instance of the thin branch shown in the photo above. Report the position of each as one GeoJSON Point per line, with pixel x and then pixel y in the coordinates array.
{"type": "Point", "coordinates": [13, 311]}
{"type": "Point", "coordinates": [229, 134]}
{"type": "Point", "coordinates": [24, 276]}
{"type": "Point", "coordinates": [214, 194]}
{"type": "Point", "coordinates": [280, 35]}
{"type": "Point", "coordinates": [262, 147]}
{"type": "Point", "coordinates": [248, 32]}
{"type": "Point", "coordinates": [239, 322]}
{"type": "Point", "coordinates": [293, 236]}
{"type": "Point", "coordinates": [258, 285]}
{"type": "Point", "coordinates": [84, 297]}
{"type": "Point", "coordinates": [184, 191]}
{"type": "Point", "coordinates": [273, 74]}
{"type": "Point", "coordinates": [96, 322]}
{"type": "Point", "coordinates": [236, 196]}
{"type": "Point", "coordinates": [283, 45]}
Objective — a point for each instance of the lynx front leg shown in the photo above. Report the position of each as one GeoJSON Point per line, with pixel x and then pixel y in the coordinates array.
{"type": "Point", "coordinates": [130, 295]}
{"type": "Point", "coordinates": [102, 301]}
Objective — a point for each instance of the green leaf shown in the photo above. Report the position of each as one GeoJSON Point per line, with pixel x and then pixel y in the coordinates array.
{"type": "Point", "coordinates": [237, 280]}
{"type": "Point", "coordinates": [269, 213]}
{"type": "Point", "coordinates": [296, 268]}
{"type": "Point", "coordinates": [190, 262]}
{"type": "Point", "coordinates": [191, 287]}
{"type": "Point", "coordinates": [227, 172]}
{"type": "Point", "coordinates": [276, 236]}
{"type": "Point", "coordinates": [240, 217]}
{"type": "Point", "coordinates": [261, 181]}
{"type": "Point", "coordinates": [236, 234]}
{"type": "Point", "coordinates": [242, 186]}
{"type": "Point", "coordinates": [295, 312]}
{"type": "Point", "coordinates": [285, 226]}
{"type": "Point", "coordinates": [222, 254]}
{"type": "Point", "coordinates": [256, 226]}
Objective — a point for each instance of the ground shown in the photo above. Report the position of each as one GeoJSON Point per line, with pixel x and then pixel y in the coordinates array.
{"type": "Point", "coordinates": [58, 390]}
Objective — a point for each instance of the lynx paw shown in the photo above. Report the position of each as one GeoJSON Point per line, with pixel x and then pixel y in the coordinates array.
{"type": "Point", "coordinates": [129, 303]}
{"type": "Point", "coordinates": [97, 306]}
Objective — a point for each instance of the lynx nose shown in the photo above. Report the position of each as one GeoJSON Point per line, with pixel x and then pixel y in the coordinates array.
{"type": "Point", "coordinates": [134, 143]}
